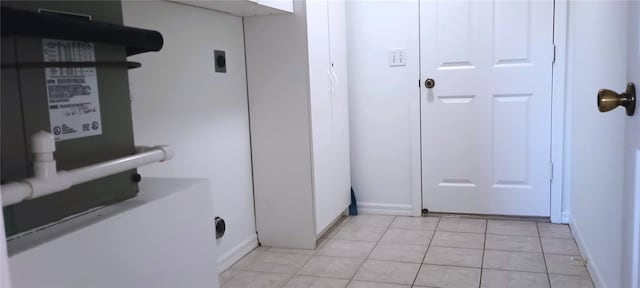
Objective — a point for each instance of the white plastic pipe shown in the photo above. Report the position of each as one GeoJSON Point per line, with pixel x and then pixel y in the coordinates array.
{"type": "Point", "coordinates": [47, 180]}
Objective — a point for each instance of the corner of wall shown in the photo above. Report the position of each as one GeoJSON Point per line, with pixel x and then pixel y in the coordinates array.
{"type": "Point", "coordinates": [566, 217]}
{"type": "Point", "coordinates": [591, 267]}
{"type": "Point", "coordinates": [237, 252]}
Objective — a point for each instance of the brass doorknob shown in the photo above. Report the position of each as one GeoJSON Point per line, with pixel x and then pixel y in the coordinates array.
{"type": "Point", "coordinates": [609, 100]}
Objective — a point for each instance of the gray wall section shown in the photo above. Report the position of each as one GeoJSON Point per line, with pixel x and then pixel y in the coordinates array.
{"type": "Point", "coordinates": [25, 111]}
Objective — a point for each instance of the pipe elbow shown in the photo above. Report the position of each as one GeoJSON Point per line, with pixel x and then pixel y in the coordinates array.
{"type": "Point", "coordinates": [43, 142]}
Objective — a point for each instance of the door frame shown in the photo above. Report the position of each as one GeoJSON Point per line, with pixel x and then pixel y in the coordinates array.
{"type": "Point", "coordinates": [559, 154]}
{"type": "Point", "coordinates": [558, 118]}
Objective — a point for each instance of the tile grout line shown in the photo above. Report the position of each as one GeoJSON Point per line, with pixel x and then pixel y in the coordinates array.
{"type": "Point", "coordinates": [546, 268]}
{"type": "Point", "coordinates": [427, 251]}
{"type": "Point", "coordinates": [388, 227]}
{"type": "Point", "coordinates": [374, 248]}
{"type": "Point", "coordinates": [484, 248]}
{"type": "Point", "coordinates": [268, 249]}
{"type": "Point", "coordinates": [443, 265]}
{"type": "Point", "coordinates": [315, 252]}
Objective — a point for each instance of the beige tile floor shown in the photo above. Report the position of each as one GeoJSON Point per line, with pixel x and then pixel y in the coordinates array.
{"type": "Point", "coordinates": [376, 251]}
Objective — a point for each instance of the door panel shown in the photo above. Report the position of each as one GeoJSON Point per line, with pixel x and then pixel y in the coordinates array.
{"type": "Point", "coordinates": [321, 105]}
{"type": "Point", "coordinates": [486, 123]}
{"type": "Point", "coordinates": [340, 100]}
{"type": "Point", "coordinates": [512, 32]}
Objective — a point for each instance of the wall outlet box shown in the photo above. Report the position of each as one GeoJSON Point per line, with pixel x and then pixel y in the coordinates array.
{"type": "Point", "coordinates": [397, 57]}
{"type": "Point", "coordinates": [220, 60]}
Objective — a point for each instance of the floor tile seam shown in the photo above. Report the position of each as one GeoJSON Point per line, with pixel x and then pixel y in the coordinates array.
{"type": "Point", "coordinates": [534, 219]}
{"type": "Point", "coordinates": [344, 257]}
{"type": "Point", "coordinates": [339, 228]}
{"type": "Point", "coordinates": [424, 257]}
{"type": "Point", "coordinates": [513, 235]}
{"type": "Point", "coordinates": [448, 231]}
{"type": "Point", "coordinates": [382, 282]}
{"type": "Point", "coordinates": [451, 265]}
{"type": "Point", "coordinates": [307, 261]}
{"type": "Point", "coordinates": [544, 258]}
{"type": "Point", "coordinates": [320, 277]}
{"type": "Point", "coordinates": [488, 217]}
{"type": "Point", "coordinates": [358, 226]}
{"type": "Point", "coordinates": [566, 274]}
{"type": "Point", "coordinates": [289, 279]}
{"type": "Point", "coordinates": [516, 236]}
{"type": "Point", "coordinates": [547, 237]}
{"type": "Point", "coordinates": [440, 245]}
{"type": "Point", "coordinates": [263, 272]}
{"type": "Point", "coordinates": [515, 251]}
{"type": "Point", "coordinates": [395, 261]}
{"type": "Point", "coordinates": [556, 254]}
{"type": "Point", "coordinates": [577, 276]}
{"type": "Point", "coordinates": [515, 220]}
{"type": "Point", "coordinates": [411, 229]}
{"type": "Point", "coordinates": [484, 246]}
{"type": "Point", "coordinates": [350, 241]}
{"type": "Point", "coordinates": [520, 271]}
{"type": "Point", "coordinates": [457, 247]}
{"type": "Point", "coordinates": [316, 276]}
{"type": "Point", "coordinates": [372, 249]}
{"type": "Point", "coordinates": [563, 238]}
{"type": "Point", "coordinates": [513, 270]}
{"type": "Point", "coordinates": [400, 243]}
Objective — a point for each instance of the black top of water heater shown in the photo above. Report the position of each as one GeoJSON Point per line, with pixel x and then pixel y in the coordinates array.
{"type": "Point", "coordinates": [16, 22]}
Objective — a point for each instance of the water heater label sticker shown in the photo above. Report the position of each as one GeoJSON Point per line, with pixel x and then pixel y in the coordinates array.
{"type": "Point", "coordinates": [74, 103]}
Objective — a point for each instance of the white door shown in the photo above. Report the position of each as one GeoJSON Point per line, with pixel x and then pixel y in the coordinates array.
{"type": "Point", "coordinates": [486, 123]}
{"type": "Point", "coordinates": [321, 108]}
{"type": "Point", "coordinates": [340, 103]}
{"type": "Point", "coordinates": [329, 108]}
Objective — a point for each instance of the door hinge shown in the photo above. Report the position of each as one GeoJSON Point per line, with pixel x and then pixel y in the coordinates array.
{"type": "Point", "coordinates": [550, 171]}
{"type": "Point", "coordinates": [554, 54]}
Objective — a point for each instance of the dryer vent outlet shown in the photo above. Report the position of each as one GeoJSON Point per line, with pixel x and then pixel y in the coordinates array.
{"type": "Point", "coordinates": [221, 227]}
{"type": "Point", "coordinates": [220, 61]}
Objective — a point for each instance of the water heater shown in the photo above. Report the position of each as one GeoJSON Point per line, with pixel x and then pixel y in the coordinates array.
{"type": "Point", "coordinates": [64, 71]}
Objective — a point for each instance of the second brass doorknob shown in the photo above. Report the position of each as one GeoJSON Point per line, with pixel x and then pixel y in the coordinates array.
{"type": "Point", "coordinates": [609, 100]}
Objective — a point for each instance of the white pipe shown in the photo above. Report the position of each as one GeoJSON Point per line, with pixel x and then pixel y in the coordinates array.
{"type": "Point", "coordinates": [47, 180]}
{"type": "Point", "coordinates": [99, 170]}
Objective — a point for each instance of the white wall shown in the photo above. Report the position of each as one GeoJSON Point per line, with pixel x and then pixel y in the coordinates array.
{"type": "Point", "coordinates": [382, 103]}
{"type": "Point", "coordinates": [596, 48]}
{"type": "Point", "coordinates": [178, 99]}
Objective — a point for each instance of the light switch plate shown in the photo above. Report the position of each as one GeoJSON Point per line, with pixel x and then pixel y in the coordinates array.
{"type": "Point", "coordinates": [397, 57]}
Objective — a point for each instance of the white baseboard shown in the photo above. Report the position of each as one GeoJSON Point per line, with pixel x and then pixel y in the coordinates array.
{"type": "Point", "coordinates": [591, 266]}
{"type": "Point", "coordinates": [386, 209]}
{"type": "Point", "coordinates": [243, 248]}
{"type": "Point", "coordinates": [566, 217]}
